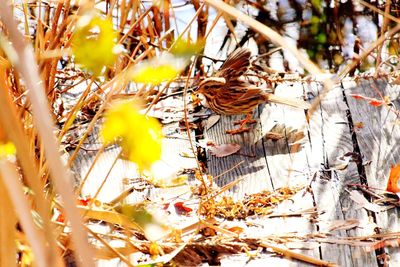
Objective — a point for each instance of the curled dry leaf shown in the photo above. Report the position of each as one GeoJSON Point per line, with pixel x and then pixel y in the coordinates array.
{"type": "Point", "coordinates": [224, 149]}
{"type": "Point", "coordinates": [211, 121]}
{"type": "Point", "coordinates": [279, 131]}
{"type": "Point", "coordinates": [207, 231]}
{"type": "Point", "coordinates": [342, 162]}
{"type": "Point", "coordinates": [274, 136]}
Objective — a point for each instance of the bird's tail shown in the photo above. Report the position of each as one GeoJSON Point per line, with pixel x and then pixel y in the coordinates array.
{"type": "Point", "coordinates": [293, 102]}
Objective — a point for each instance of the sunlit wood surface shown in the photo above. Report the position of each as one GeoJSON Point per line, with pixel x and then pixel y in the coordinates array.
{"type": "Point", "coordinates": [341, 127]}
{"type": "Point", "coordinates": [346, 141]}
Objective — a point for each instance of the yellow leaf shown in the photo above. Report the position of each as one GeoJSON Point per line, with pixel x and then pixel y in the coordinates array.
{"type": "Point", "coordinates": [27, 257]}
{"type": "Point", "coordinates": [187, 48]}
{"type": "Point", "coordinates": [7, 149]}
{"type": "Point", "coordinates": [93, 43]}
{"type": "Point", "coordinates": [157, 70]}
{"type": "Point", "coordinates": [140, 137]}
{"type": "Point", "coordinates": [154, 250]}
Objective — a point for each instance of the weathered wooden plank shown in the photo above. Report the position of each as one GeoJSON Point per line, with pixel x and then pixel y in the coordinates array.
{"type": "Point", "coordinates": [330, 140]}
{"type": "Point", "coordinates": [261, 260]}
{"type": "Point", "coordinates": [378, 142]}
{"type": "Point", "coordinates": [252, 165]}
{"type": "Point", "coordinates": [274, 167]}
{"type": "Point", "coordinates": [119, 175]}
{"type": "Point", "coordinates": [288, 166]}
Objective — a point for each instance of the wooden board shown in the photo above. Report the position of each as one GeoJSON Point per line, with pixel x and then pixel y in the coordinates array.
{"type": "Point", "coordinates": [378, 141]}
{"type": "Point", "coordinates": [273, 165]}
{"type": "Point", "coordinates": [324, 161]}
{"type": "Point", "coordinates": [115, 175]}
{"type": "Point", "coordinates": [252, 164]}
{"type": "Point", "coordinates": [332, 155]}
{"type": "Point", "coordinates": [330, 141]}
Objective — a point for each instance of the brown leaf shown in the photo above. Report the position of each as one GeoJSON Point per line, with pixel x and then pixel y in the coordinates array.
{"type": "Point", "coordinates": [274, 136]}
{"type": "Point", "coordinates": [358, 125]}
{"type": "Point", "coordinates": [394, 179]}
{"type": "Point", "coordinates": [207, 231]}
{"type": "Point", "coordinates": [224, 150]}
{"type": "Point", "coordinates": [236, 229]}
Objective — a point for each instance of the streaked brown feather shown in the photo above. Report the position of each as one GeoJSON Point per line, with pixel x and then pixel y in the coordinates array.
{"type": "Point", "coordinates": [227, 94]}
{"type": "Point", "coordinates": [235, 65]}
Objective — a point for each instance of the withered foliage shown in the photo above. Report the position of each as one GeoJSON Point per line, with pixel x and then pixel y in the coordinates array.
{"type": "Point", "coordinates": [256, 204]}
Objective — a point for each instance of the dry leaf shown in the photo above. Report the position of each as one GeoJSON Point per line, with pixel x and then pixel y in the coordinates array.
{"type": "Point", "coordinates": [207, 231]}
{"type": "Point", "coordinates": [236, 229]}
{"type": "Point", "coordinates": [224, 150]}
{"type": "Point", "coordinates": [211, 121]}
{"type": "Point", "coordinates": [393, 182]}
{"type": "Point", "coordinates": [180, 208]}
{"type": "Point", "coordinates": [342, 162]}
{"type": "Point", "coordinates": [358, 125]}
{"type": "Point", "coordinates": [274, 136]}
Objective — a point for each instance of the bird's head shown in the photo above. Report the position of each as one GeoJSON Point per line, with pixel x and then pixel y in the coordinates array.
{"type": "Point", "coordinates": [206, 87]}
{"type": "Point", "coordinates": [210, 83]}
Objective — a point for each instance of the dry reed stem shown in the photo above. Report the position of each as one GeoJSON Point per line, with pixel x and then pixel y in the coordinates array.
{"type": "Point", "coordinates": [298, 256]}
{"type": "Point", "coordinates": [352, 65]}
{"type": "Point", "coordinates": [383, 32]}
{"type": "Point", "coordinates": [43, 121]}
{"type": "Point", "coordinates": [116, 84]}
{"type": "Point", "coordinates": [105, 179]}
{"type": "Point", "coordinates": [14, 129]}
{"type": "Point", "coordinates": [8, 219]}
{"type": "Point", "coordinates": [74, 111]}
{"type": "Point", "coordinates": [36, 238]}
{"type": "Point", "coordinates": [96, 158]}
{"type": "Point", "coordinates": [105, 243]}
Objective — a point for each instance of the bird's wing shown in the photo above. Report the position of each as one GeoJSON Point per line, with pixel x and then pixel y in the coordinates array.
{"type": "Point", "coordinates": [248, 94]}
{"type": "Point", "coordinates": [235, 65]}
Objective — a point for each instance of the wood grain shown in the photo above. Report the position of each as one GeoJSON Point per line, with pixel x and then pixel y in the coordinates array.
{"type": "Point", "coordinates": [378, 143]}
{"type": "Point", "coordinates": [330, 140]}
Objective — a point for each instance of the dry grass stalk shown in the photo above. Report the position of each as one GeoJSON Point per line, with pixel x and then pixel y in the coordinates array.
{"type": "Point", "coordinates": [294, 255]}
{"type": "Point", "coordinates": [8, 220]}
{"type": "Point", "coordinates": [51, 41]}
{"type": "Point", "coordinates": [10, 185]}
{"type": "Point", "coordinates": [44, 126]}
{"type": "Point", "coordinates": [15, 133]}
